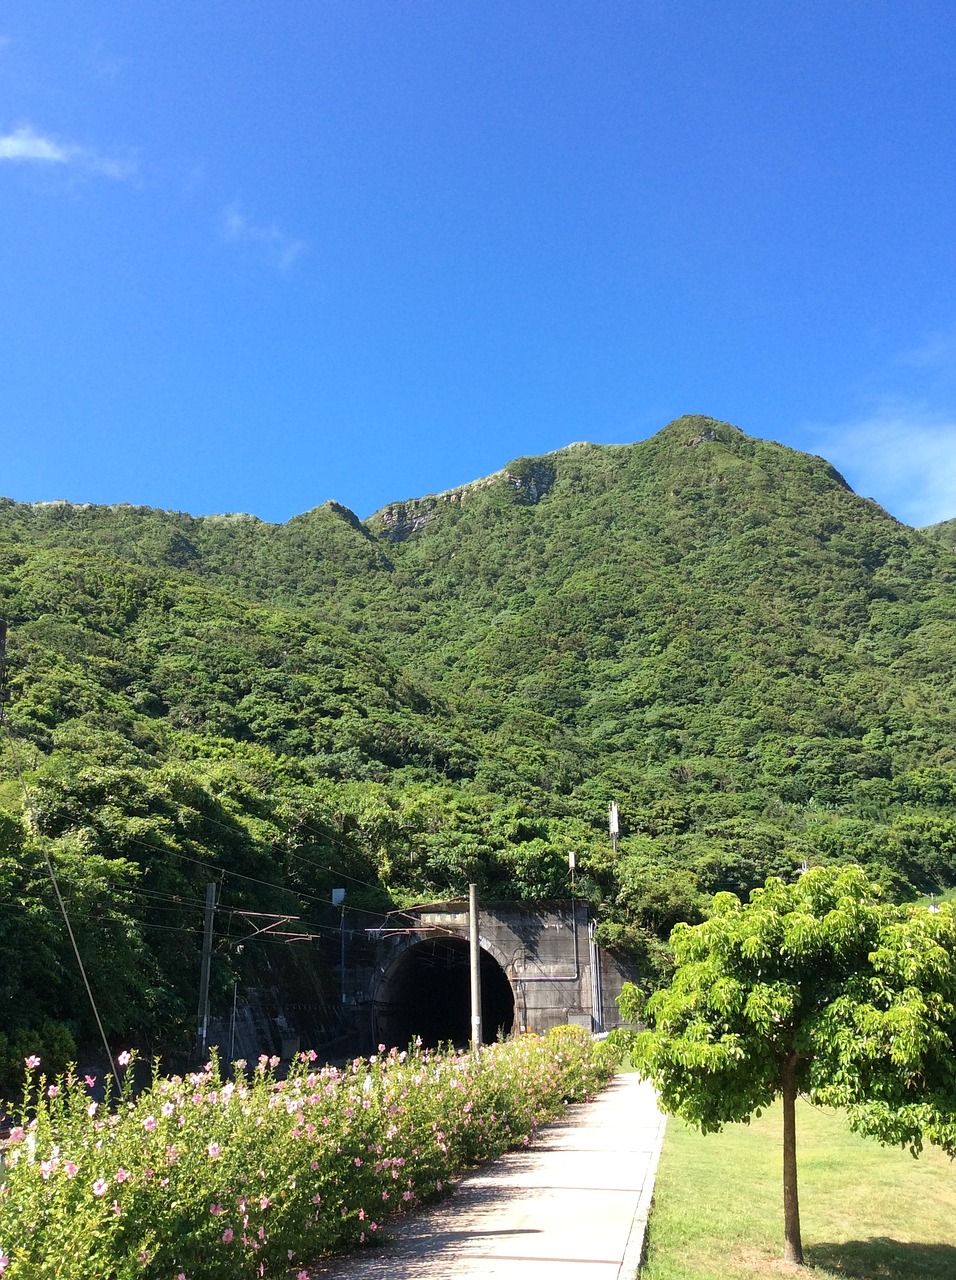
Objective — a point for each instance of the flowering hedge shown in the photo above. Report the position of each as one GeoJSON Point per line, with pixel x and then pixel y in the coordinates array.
{"type": "Point", "coordinates": [203, 1177]}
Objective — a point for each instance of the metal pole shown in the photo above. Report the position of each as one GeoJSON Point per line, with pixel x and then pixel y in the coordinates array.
{"type": "Point", "coordinates": [342, 953]}
{"type": "Point", "coordinates": [232, 1023]}
{"type": "Point", "coordinates": [204, 971]}
{"type": "Point", "coordinates": [475, 956]}
{"type": "Point", "coordinates": [338, 900]}
{"type": "Point", "coordinates": [597, 986]}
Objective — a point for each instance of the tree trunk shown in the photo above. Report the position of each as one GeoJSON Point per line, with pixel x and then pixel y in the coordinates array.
{"type": "Point", "coordinates": [793, 1247]}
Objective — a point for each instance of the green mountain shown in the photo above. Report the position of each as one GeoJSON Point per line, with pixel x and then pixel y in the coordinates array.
{"type": "Point", "coordinates": [944, 532]}
{"type": "Point", "coordinates": [710, 629]}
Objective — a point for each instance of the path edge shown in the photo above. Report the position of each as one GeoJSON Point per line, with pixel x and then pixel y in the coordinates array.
{"type": "Point", "coordinates": [637, 1236]}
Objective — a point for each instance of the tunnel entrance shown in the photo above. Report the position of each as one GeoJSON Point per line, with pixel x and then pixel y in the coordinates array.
{"type": "Point", "coordinates": [427, 993]}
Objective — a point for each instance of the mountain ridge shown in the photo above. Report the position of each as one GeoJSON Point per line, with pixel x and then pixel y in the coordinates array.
{"type": "Point", "coordinates": [712, 630]}
{"type": "Point", "coordinates": [707, 431]}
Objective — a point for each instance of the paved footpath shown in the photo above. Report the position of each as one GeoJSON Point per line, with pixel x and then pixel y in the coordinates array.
{"type": "Point", "coordinates": [573, 1206]}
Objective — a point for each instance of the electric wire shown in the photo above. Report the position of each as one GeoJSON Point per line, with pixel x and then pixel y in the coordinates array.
{"type": "Point", "coordinates": [303, 826]}
{"type": "Point", "coordinates": [163, 851]}
{"type": "Point", "coordinates": [177, 903]}
{"type": "Point", "coordinates": [28, 803]}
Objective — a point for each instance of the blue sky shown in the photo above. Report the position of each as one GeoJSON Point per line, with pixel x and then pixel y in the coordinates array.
{"type": "Point", "coordinates": [256, 256]}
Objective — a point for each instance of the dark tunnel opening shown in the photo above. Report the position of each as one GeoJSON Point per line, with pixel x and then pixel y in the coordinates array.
{"type": "Point", "coordinates": [428, 994]}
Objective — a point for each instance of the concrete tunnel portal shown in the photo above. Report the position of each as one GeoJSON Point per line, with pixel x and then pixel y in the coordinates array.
{"type": "Point", "coordinates": [427, 993]}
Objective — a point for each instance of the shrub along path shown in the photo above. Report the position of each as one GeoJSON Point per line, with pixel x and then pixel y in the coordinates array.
{"type": "Point", "coordinates": [573, 1206]}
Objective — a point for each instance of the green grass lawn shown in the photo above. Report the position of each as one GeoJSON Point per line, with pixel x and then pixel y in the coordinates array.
{"type": "Point", "coordinates": [867, 1211]}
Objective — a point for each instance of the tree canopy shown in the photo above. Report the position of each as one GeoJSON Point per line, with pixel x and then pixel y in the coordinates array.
{"type": "Point", "coordinates": [818, 987]}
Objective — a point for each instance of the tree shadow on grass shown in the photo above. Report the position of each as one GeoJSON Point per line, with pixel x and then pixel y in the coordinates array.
{"type": "Point", "coordinates": [882, 1258]}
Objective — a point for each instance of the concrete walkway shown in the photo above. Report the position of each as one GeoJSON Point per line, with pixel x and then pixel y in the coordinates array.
{"type": "Point", "coordinates": [573, 1206]}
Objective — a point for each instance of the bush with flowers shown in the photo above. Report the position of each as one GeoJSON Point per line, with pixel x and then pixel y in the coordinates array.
{"type": "Point", "coordinates": [206, 1176]}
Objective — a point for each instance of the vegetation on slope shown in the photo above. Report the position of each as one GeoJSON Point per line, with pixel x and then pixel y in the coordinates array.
{"type": "Point", "coordinates": [944, 532]}
{"type": "Point", "coordinates": [711, 629]}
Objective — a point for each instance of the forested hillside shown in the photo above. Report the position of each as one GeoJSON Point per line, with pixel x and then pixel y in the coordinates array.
{"type": "Point", "coordinates": [710, 629]}
{"type": "Point", "coordinates": [944, 532]}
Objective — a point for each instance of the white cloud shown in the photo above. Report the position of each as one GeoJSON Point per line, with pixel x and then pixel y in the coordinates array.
{"type": "Point", "coordinates": [26, 145]}
{"type": "Point", "coordinates": [903, 455]}
{"type": "Point", "coordinates": [281, 248]}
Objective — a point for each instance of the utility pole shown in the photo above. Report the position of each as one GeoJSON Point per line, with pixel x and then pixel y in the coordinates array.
{"type": "Point", "coordinates": [204, 970]}
{"type": "Point", "coordinates": [597, 986]}
{"type": "Point", "coordinates": [614, 825]}
{"type": "Point", "coordinates": [232, 1021]}
{"type": "Point", "coordinates": [338, 900]}
{"type": "Point", "coordinates": [475, 956]}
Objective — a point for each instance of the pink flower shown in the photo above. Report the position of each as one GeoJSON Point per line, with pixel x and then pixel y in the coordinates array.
{"type": "Point", "coordinates": [227, 1236]}
{"type": "Point", "coordinates": [123, 1058]}
{"type": "Point", "coordinates": [99, 1187]}
{"type": "Point", "coordinates": [213, 1150]}
{"type": "Point", "coordinates": [121, 1175]}
{"type": "Point", "coordinates": [303, 1275]}
{"type": "Point", "coordinates": [4, 1260]}
{"type": "Point", "coordinates": [90, 1081]}
{"type": "Point", "coordinates": [70, 1169]}
{"type": "Point", "coordinates": [53, 1091]}
{"type": "Point", "coordinates": [32, 1062]}
{"type": "Point", "coordinates": [16, 1135]}
{"type": "Point", "coordinates": [264, 1202]}
{"type": "Point", "coordinates": [216, 1209]}
{"type": "Point", "coordinates": [149, 1124]}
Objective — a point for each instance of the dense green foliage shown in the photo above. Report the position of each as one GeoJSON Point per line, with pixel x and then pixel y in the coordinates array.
{"type": "Point", "coordinates": [944, 532]}
{"type": "Point", "coordinates": [710, 629]}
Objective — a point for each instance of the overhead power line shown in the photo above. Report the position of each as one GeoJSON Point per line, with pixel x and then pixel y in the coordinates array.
{"type": "Point", "coordinates": [28, 803]}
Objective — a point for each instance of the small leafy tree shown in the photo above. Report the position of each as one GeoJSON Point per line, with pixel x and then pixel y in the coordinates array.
{"type": "Point", "coordinates": [816, 987]}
